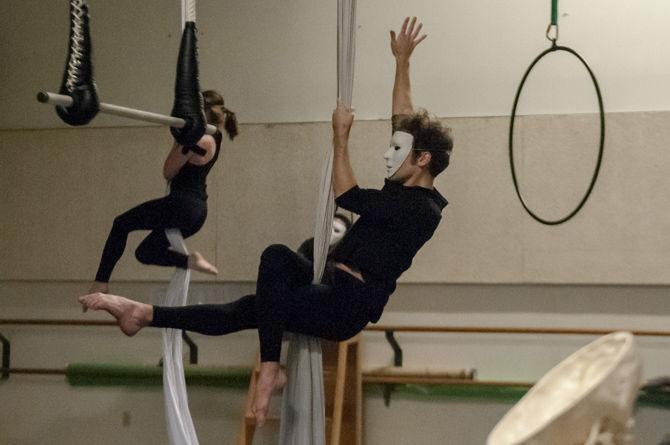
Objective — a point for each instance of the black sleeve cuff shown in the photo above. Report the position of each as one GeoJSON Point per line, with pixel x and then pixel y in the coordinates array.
{"type": "Point", "coordinates": [346, 197]}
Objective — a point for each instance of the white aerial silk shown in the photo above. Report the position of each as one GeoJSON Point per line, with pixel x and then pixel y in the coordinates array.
{"type": "Point", "coordinates": [179, 423]}
{"type": "Point", "coordinates": [587, 399]}
{"type": "Point", "coordinates": [181, 430]}
{"type": "Point", "coordinates": [303, 405]}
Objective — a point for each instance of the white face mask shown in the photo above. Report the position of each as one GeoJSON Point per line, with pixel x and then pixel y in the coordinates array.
{"type": "Point", "coordinates": [401, 146]}
{"type": "Point", "coordinates": [339, 229]}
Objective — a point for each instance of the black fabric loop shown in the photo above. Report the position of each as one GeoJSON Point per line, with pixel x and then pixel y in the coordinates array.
{"type": "Point", "coordinates": [594, 177]}
{"type": "Point", "coordinates": [194, 148]}
{"type": "Point", "coordinates": [188, 101]}
{"type": "Point", "coordinates": [78, 80]}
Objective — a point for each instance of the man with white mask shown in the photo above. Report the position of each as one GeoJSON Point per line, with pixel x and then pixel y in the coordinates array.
{"type": "Point", "coordinates": [363, 267]}
{"type": "Point", "coordinates": [400, 147]}
{"type": "Point", "coordinates": [398, 219]}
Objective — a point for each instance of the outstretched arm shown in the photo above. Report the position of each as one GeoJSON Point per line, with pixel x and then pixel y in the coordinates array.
{"type": "Point", "coordinates": [372, 203]}
{"type": "Point", "coordinates": [343, 174]}
{"type": "Point", "coordinates": [402, 46]}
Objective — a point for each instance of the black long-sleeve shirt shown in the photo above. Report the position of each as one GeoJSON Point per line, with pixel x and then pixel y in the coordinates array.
{"type": "Point", "coordinates": [394, 223]}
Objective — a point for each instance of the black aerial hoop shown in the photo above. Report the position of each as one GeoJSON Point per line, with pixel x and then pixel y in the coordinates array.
{"type": "Point", "coordinates": [554, 47]}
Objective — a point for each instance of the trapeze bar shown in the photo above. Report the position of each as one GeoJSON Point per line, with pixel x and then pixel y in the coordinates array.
{"type": "Point", "coordinates": [116, 110]}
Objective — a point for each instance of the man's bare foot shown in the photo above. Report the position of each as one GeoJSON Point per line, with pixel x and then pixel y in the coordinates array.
{"type": "Point", "coordinates": [99, 286]}
{"type": "Point", "coordinates": [197, 262]}
{"type": "Point", "coordinates": [280, 381]}
{"type": "Point", "coordinates": [130, 315]}
{"type": "Point", "coordinates": [269, 377]}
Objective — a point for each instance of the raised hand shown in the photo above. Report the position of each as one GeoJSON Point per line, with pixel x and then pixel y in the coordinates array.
{"type": "Point", "coordinates": [343, 118]}
{"type": "Point", "coordinates": [404, 43]}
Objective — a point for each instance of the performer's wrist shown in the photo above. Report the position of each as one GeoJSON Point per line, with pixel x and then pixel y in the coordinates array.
{"type": "Point", "coordinates": [402, 62]}
{"type": "Point", "coordinates": [340, 140]}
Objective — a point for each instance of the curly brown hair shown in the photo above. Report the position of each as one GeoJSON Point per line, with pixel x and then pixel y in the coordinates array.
{"type": "Point", "coordinates": [429, 136]}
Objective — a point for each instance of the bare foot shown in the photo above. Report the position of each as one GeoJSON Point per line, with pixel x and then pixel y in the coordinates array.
{"type": "Point", "coordinates": [130, 315]}
{"type": "Point", "coordinates": [268, 378]}
{"type": "Point", "coordinates": [197, 262]}
{"type": "Point", "coordinates": [280, 381]}
{"type": "Point", "coordinates": [98, 286]}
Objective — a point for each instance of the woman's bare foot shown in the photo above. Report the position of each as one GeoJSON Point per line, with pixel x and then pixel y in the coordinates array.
{"type": "Point", "coordinates": [130, 315]}
{"type": "Point", "coordinates": [198, 262]}
{"type": "Point", "coordinates": [270, 379]}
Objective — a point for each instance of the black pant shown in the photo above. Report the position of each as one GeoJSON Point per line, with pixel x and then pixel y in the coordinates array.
{"type": "Point", "coordinates": [181, 210]}
{"type": "Point", "coordinates": [285, 300]}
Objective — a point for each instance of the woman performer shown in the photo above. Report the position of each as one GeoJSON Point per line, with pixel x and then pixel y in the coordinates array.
{"type": "Point", "coordinates": [185, 208]}
{"type": "Point", "coordinates": [340, 226]}
{"type": "Point", "coordinates": [394, 223]}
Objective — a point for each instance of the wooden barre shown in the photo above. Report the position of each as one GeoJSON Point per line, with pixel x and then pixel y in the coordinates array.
{"type": "Point", "coordinates": [508, 330]}
{"type": "Point", "coordinates": [384, 328]}
{"type": "Point", "coordinates": [52, 322]}
{"type": "Point", "coordinates": [422, 372]}
{"type": "Point", "coordinates": [399, 380]}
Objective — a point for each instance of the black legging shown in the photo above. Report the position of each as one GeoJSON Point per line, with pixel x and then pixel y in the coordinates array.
{"type": "Point", "coordinates": [285, 300]}
{"type": "Point", "coordinates": [181, 210]}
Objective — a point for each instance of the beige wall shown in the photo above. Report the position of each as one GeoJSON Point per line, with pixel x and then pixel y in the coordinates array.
{"type": "Point", "coordinates": [62, 189]}
{"type": "Point", "coordinates": [275, 60]}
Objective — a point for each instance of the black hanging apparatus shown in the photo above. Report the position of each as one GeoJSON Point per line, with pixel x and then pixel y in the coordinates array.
{"type": "Point", "coordinates": [77, 101]}
{"type": "Point", "coordinates": [78, 80]}
{"type": "Point", "coordinates": [188, 101]}
{"type": "Point", "coordinates": [552, 35]}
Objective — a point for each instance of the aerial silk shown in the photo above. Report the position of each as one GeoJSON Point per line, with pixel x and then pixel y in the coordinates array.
{"type": "Point", "coordinates": [178, 417]}
{"type": "Point", "coordinates": [303, 404]}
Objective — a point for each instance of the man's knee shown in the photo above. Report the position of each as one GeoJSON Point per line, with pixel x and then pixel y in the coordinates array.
{"type": "Point", "coordinates": [275, 252]}
{"type": "Point", "coordinates": [143, 254]}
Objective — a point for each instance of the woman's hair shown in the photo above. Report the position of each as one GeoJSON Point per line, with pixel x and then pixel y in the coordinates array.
{"type": "Point", "coordinates": [212, 99]}
{"type": "Point", "coordinates": [431, 136]}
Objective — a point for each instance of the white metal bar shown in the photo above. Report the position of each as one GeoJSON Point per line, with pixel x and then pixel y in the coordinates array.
{"type": "Point", "coordinates": [116, 110]}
